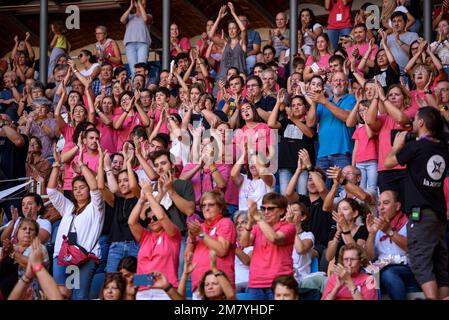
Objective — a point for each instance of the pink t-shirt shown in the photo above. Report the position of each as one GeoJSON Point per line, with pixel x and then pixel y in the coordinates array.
{"type": "Point", "coordinates": [367, 148]}
{"type": "Point", "coordinates": [157, 116]}
{"type": "Point", "coordinates": [363, 48]}
{"type": "Point", "coordinates": [90, 160]}
{"type": "Point", "coordinates": [222, 228]}
{"type": "Point", "coordinates": [159, 252]}
{"type": "Point", "coordinates": [206, 183]}
{"type": "Point", "coordinates": [232, 192]}
{"type": "Point", "coordinates": [268, 259]}
{"type": "Point", "coordinates": [361, 282]}
{"type": "Point", "coordinates": [67, 133]}
{"type": "Point", "coordinates": [184, 44]}
{"type": "Point", "coordinates": [339, 15]}
{"type": "Point", "coordinates": [127, 126]}
{"type": "Point", "coordinates": [259, 138]}
{"type": "Point", "coordinates": [108, 134]}
{"type": "Point", "coordinates": [389, 124]}
{"type": "Point", "coordinates": [323, 62]}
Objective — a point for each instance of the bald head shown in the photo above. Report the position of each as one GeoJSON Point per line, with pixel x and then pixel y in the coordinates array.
{"type": "Point", "coordinates": [352, 174]}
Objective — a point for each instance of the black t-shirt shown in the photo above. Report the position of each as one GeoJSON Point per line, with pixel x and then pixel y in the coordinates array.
{"type": "Point", "coordinates": [108, 215]}
{"type": "Point", "coordinates": [119, 226]}
{"type": "Point", "coordinates": [292, 140]}
{"type": "Point", "coordinates": [320, 222]}
{"type": "Point", "coordinates": [196, 118]}
{"type": "Point", "coordinates": [266, 103]}
{"type": "Point", "coordinates": [12, 161]}
{"type": "Point", "coordinates": [385, 78]}
{"type": "Point", "coordinates": [427, 163]}
{"type": "Point", "coordinates": [361, 233]}
{"type": "Point", "coordinates": [185, 190]}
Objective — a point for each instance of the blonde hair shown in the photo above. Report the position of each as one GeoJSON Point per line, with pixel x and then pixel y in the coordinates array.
{"type": "Point", "coordinates": [387, 11]}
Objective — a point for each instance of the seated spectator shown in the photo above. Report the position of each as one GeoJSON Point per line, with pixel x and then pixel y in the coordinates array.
{"type": "Point", "coordinates": [310, 29]}
{"type": "Point", "coordinates": [215, 284]}
{"type": "Point", "coordinates": [285, 288]}
{"type": "Point", "coordinates": [36, 166]}
{"type": "Point", "coordinates": [347, 282]}
{"type": "Point", "coordinates": [90, 67]}
{"type": "Point", "coordinates": [242, 254]}
{"type": "Point", "coordinates": [114, 287]}
{"type": "Point", "coordinates": [106, 49]}
{"type": "Point", "coordinates": [387, 241]}
{"type": "Point", "coordinates": [178, 43]}
{"type": "Point", "coordinates": [273, 242]}
{"type": "Point", "coordinates": [128, 267]}
{"type": "Point", "coordinates": [279, 38]}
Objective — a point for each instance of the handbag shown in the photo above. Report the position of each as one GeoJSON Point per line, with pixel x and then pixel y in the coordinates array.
{"type": "Point", "coordinates": [72, 253]}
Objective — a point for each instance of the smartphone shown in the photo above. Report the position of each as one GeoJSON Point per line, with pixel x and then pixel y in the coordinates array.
{"type": "Point", "coordinates": [143, 279]}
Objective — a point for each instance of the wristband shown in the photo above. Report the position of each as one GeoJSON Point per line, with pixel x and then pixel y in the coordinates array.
{"type": "Point", "coordinates": [346, 232]}
{"type": "Point", "coordinates": [166, 289]}
{"type": "Point", "coordinates": [219, 273]}
{"type": "Point", "coordinates": [38, 268]}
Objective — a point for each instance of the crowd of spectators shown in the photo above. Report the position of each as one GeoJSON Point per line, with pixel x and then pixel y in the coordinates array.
{"type": "Point", "coordinates": [230, 175]}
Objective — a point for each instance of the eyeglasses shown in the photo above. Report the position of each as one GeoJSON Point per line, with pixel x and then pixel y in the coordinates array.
{"type": "Point", "coordinates": [210, 205]}
{"type": "Point", "coordinates": [350, 172]}
{"type": "Point", "coordinates": [241, 222]}
{"type": "Point", "coordinates": [268, 209]}
{"type": "Point", "coordinates": [350, 259]}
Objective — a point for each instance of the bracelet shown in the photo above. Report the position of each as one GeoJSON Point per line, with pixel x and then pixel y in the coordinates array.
{"type": "Point", "coordinates": [127, 111]}
{"type": "Point", "coordinates": [38, 268]}
{"type": "Point", "coordinates": [56, 165]}
{"type": "Point", "coordinates": [166, 289]}
{"type": "Point", "coordinates": [107, 171]}
{"type": "Point", "coordinates": [443, 108]}
{"type": "Point", "coordinates": [219, 273]}
{"type": "Point", "coordinates": [346, 232]}
{"type": "Point", "coordinates": [249, 229]}
{"type": "Point", "coordinates": [83, 165]}
{"type": "Point", "coordinates": [213, 171]}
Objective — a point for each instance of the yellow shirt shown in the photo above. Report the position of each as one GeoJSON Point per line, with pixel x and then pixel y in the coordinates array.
{"type": "Point", "coordinates": [61, 42]}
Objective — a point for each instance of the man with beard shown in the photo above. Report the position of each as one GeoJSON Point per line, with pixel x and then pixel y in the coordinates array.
{"type": "Point", "coordinates": [334, 136]}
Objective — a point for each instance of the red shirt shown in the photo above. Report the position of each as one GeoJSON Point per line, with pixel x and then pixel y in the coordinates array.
{"type": "Point", "coordinates": [220, 228]}
{"type": "Point", "coordinates": [127, 127]}
{"type": "Point", "coordinates": [339, 15]}
{"type": "Point", "coordinates": [159, 252]}
{"type": "Point", "coordinates": [360, 281]}
{"type": "Point", "coordinates": [367, 148]}
{"type": "Point", "coordinates": [270, 260]}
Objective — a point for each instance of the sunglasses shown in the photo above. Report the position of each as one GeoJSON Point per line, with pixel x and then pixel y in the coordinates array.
{"type": "Point", "coordinates": [268, 209]}
{"type": "Point", "coordinates": [152, 218]}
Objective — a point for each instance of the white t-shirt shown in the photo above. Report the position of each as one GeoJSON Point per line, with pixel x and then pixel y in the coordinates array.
{"type": "Point", "coordinates": [302, 262]}
{"type": "Point", "coordinates": [88, 224]}
{"type": "Point", "coordinates": [242, 270]}
{"type": "Point", "coordinates": [89, 71]}
{"type": "Point", "coordinates": [252, 190]}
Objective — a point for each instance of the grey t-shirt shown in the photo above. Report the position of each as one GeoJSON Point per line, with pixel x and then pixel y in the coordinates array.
{"type": "Point", "coordinates": [400, 55]}
{"type": "Point", "coordinates": [137, 30]}
{"type": "Point", "coordinates": [185, 190]}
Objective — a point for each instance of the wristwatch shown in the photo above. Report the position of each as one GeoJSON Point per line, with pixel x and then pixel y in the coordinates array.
{"type": "Point", "coordinates": [428, 92]}
{"type": "Point", "coordinates": [390, 233]}
{"type": "Point", "coordinates": [202, 235]}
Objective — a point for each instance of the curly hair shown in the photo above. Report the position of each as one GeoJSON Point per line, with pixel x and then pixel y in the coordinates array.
{"type": "Point", "coordinates": [360, 251]}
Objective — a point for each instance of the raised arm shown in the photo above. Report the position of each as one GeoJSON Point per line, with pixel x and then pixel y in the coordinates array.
{"type": "Point", "coordinates": [86, 172]}
{"type": "Point", "coordinates": [243, 37]}
{"type": "Point", "coordinates": [124, 17]}
{"type": "Point", "coordinates": [212, 33]}
{"type": "Point", "coordinates": [133, 220]}
{"type": "Point", "coordinates": [107, 194]}
{"type": "Point", "coordinates": [222, 280]}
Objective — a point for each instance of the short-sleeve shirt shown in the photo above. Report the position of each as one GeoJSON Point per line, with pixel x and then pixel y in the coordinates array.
{"type": "Point", "coordinates": [137, 30]}
{"type": "Point", "coordinates": [185, 190]}
{"type": "Point", "coordinates": [339, 15]}
{"type": "Point", "coordinates": [361, 233]}
{"type": "Point", "coordinates": [367, 147]}
{"type": "Point", "coordinates": [400, 55]}
{"type": "Point", "coordinates": [360, 282]}
{"type": "Point", "coordinates": [388, 247]}
{"type": "Point", "coordinates": [427, 163]}
{"type": "Point", "coordinates": [159, 252]}
{"type": "Point", "coordinates": [127, 126]}
{"type": "Point", "coordinates": [270, 260]}
{"type": "Point", "coordinates": [333, 134]}
{"type": "Point", "coordinates": [225, 229]}
{"type": "Point", "coordinates": [253, 38]}
{"type": "Point", "coordinates": [303, 262]}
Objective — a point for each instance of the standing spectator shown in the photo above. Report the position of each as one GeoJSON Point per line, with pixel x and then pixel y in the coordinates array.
{"type": "Point", "coordinates": [178, 44]}
{"type": "Point", "coordinates": [216, 233]}
{"type": "Point", "coordinates": [159, 244]}
{"type": "Point", "coordinates": [84, 216]}
{"type": "Point", "coordinates": [440, 13]}
{"type": "Point", "coordinates": [253, 45]}
{"type": "Point", "coordinates": [13, 154]}
{"type": "Point", "coordinates": [137, 39]}
{"type": "Point", "coordinates": [339, 20]}
{"type": "Point", "coordinates": [235, 47]}
{"type": "Point", "coordinates": [361, 46]}
{"type": "Point", "coordinates": [273, 241]}
{"type": "Point", "coordinates": [59, 43]}
{"type": "Point", "coordinates": [400, 40]}
{"type": "Point", "coordinates": [426, 160]}
{"type": "Point", "coordinates": [106, 49]}
{"type": "Point", "coordinates": [335, 138]}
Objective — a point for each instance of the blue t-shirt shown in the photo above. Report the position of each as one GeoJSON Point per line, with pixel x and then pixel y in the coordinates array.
{"type": "Point", "coordinates": [333, 134]}
{"type": "Point", "coordinates": [253, 38]}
